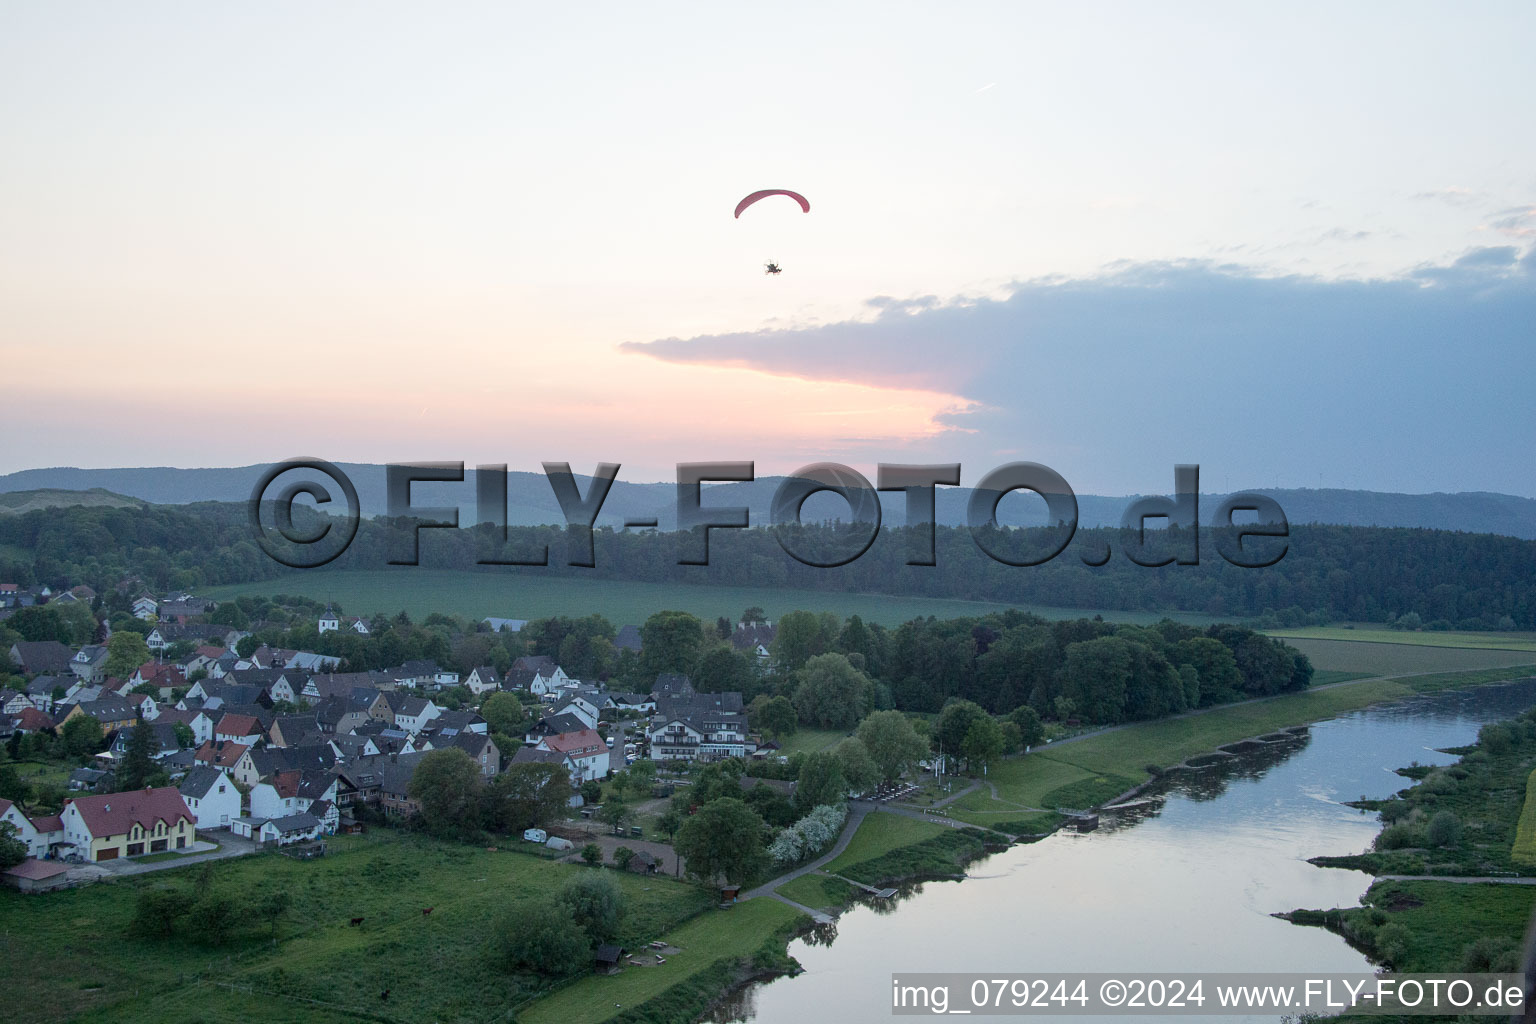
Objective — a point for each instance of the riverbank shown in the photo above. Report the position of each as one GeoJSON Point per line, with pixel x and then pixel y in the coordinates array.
{"type": "Point", "coordinates": [895, 849]}
{"type": "Point", "coordinates": [1455, 831]}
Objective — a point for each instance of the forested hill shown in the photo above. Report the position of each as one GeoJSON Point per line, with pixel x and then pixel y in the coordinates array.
{"type": "Point", "coordinates": [1445, 579]}
{"type": "Point", "coordinates": [531, 502]}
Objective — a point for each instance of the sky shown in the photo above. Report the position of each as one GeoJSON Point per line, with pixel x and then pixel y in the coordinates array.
{"type": "Point", "coordinates": [1291, 244]}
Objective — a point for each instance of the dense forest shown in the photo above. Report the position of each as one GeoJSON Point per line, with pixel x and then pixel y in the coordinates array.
{"type": "Point", "coordinates": [1437, 579]}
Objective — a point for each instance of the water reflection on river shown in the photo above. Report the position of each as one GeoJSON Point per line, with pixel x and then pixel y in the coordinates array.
{"type": "Point", "coordinates": [1186, 884]}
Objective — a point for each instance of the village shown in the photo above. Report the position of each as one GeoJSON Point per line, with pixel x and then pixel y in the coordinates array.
{"type": "Point", "coordinates": [281, 748]}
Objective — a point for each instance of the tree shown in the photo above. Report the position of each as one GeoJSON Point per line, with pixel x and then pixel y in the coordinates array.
{"type": "Point", "coordinates": [892, 743]}
{"type": "Point", "coordinates": [821, 782]}
{"type": "Point", "coordinates": [642, 775]}
{"type": "Point", "coordinates": [12, 786]}
{"type": "Point", "coordinates": [270, 904]}
{"type": "Point", "coordinates": [671, 820]}
{"type": "Point", "coordinates": [670, 642]}
{"type": "Point", "coordinates": [525, 796]}
{"type": "Point", "coordinates": [615, 813]}
{"type": "Point", "coordinates": [858, 768]}
{"type": "Point", "coordinates": [542, 940]}
{"type": "Point", "coordinates": [832, 693]}
{"type": "Point", "coordinates": [724, 840]}
{"type": "Point", "coordinates": [592, 854]}
{"type": "Point", "coordinates": [591, 791]}
{"type": "Point", "coordinates": [447, 785]}
{"type": "Point", "coordinates": [504, 713]}
{"type": "Point", "coordinates": [983, 743]}
{"type": "Point", "coordinates": [184, 736]}
{"type": "Point", "coordinates": [1095, 676]}
{"type": "Point", "coordinates": [777, 717]}
{"type": "Point", "coordinates": [722, 669]}
{"type": "Point", "coordinates": [622, 856]}
{"type": "Point", "coordinates": [955, 723]}
{"type": "Point", "coordinates": [1031, 730]}
{"type": "Point", "coordinates": [125, 653]}
{"type": "Point", "coordinates": [801, 636]}
{"type": "Point", "coordinates": [156, 912]}
{"type": "Point", "coordinates": [595, 902]}
{"type": "Point", "coordinates": [139, 761]}
{"type": "Point", "coordinates": [82, 735]}
{"type": "Point", "coordinates": [12, 850]}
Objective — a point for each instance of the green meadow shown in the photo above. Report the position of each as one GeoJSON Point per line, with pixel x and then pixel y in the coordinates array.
{"type": "Point", "coordinates": [525, 596]}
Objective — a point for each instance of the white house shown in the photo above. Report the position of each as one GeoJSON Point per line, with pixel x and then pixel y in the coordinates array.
{"type": "Point", "coordinates": [413, 714]}
{"type": "Point", "coordinates": [37, 842]}
{"type": "Point", "coordinates": [482, 680]}
{"type": "Point", "coordinates": [146, 608]}
{"type": "Point", "coordinates": [211, 796]}
{"type": "Point", "coordinates": [291, 792]}
{"type": "Point", "coordinates": [586, 750]}
{"type": "Point", "coordinates": [329, 622]}
{"type": "Point", "coordinates": [582, 708]}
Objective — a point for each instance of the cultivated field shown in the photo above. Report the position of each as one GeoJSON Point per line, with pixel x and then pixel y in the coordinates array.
{"type": "Point", "coordinates": [1450, 638]}
{"type": "Point", "coordinates": [514, 596]}
{"type": "Point", "coordinates": [1367, 656]}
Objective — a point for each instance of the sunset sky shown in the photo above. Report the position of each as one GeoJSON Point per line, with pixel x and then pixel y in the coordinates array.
{"type": "Point", "coordinates": [1290, 243]}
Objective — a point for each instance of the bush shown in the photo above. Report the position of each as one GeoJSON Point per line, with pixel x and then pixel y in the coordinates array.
{"type": "Point", "coordinates": [1401, 836]}
{"type": "Point", "coordinates": [810, 835]}
{"type": "Point", "coordinates": [1444, 830]}
{"type": "Point", "coordinates": [156, 912]}
{"type": "Point", "coordinates": [592, 853]}
{"type": "Point", "coordinates": [1491, 955]}
{"type": "Point", "coordinates": [1392, 942]}
{"type": "Point", "coordinates": [542, 940]}
{"type": "Point", "coordinates": [595, 903]}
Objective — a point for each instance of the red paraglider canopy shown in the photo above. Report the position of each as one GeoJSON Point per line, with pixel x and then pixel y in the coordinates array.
{"type": "Point", "coordinates": [805, 204]}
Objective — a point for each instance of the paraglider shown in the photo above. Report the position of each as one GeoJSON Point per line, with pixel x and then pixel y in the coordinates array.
{"type": "Point", "coordinates": [805, 204]}
{"type": "Point", "coordinates": [772, 267]}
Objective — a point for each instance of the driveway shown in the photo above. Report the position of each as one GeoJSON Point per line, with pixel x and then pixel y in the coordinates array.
{"type": "Point", "coordinates": [202, 850]}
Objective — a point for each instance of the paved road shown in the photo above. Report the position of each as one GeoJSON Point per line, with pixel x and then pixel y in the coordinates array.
{"type": "Point", "coordinates": [1463, 879]}
{"type": "Point", "coordinates": [857, 811]}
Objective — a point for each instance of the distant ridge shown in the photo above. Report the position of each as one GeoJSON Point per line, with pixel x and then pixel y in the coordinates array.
{"type": "Point", "coordinates": [19, 502]}
{"type": "Point", "coordinates": [531, 502]}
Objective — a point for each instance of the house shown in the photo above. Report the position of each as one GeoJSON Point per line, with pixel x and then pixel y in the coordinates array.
{"type": "Point", "coordinates": [233, 728]}
{"type": "Point", "coordinates": [482, 680]}
{"type": "Point", "coordinates": [356, 625]}
{"type": "Point", "coordinates": [42, 657]}
{"type": "Point", "coordinates": [579, 707]}
{"type": "Point", "coordinates": [413, 713]}
{"type": "Point", "coordinates": [699, 731]}
{"type": "Point", "coordinates": [110, 710]}
{"type": "Point", "coordinates": [284, 831]}
{"type": "Point", "coordinates": [163, 732]}
{"type": "Point", "coordinates": [754, 638]}
{"type": "Point", "coordinates": [42, 691]}
{"type": "Point", "coordinates": [146, 607]}
{"type": "Point", "coordinates": [291, 792]}
{"type": "Point", "coordinates": [234, 758]}
{"type": "Point", "coordinates": [33, 875]}
{"type": "Point", "coordinates": [211, 796]}
{"type": "Point", "coordinates": [289, 730]}
{"type": "Point", "coordinates": [13, 702]}
{"type": "Point", "coordinates": [90, 663]}
{"type": "Point", "coordinates": [26, 831]}
{"type": "Point", "coordinates": [505, 625]}
{"type": "Point", "coordinates": [29, 721]}
{"type": "Point", "coordinates": [164, 675]}
{"type": "Point", "coordinates": [422, 675]}
{"type": "Point", "coordinates": [547, 676]}
{"type": "Point", "coordinates": [553, 725]}
{"type": "Point", "coordinates": [199, 721]}
{"type": "Point", "coordinates": [535, 755]}
{"type": "Point", "coordinates": [329, 622]}
{"type": "Point", "coordinates": [627, 639]}
{"type": "Point", "coordinates": [481, 749]}
{"type": "Point", "coordinates": [88, 780]}
{"type": "Point", "coordinates": [112, 825]}
{"type": "Point", "coordinates": [586, 750]}
{"type": "Point", "coordinates": [641, 702]}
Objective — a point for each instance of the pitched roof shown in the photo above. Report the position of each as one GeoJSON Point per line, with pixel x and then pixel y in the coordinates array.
{"type": "Point", "coordinates": [237, 725]}
{"type": "Point", "coordinates": [533, 755]}
{"type": "Point", "coordinates": [43, 656]}
{"type": "Point", "coordinates": [574, 742]}
{"type": "Point", "coordinates": [223, 753]}
{"type": "Point", "coordinates": [200, 781]}
{"type": "Point", "coordinates": [113, 814]}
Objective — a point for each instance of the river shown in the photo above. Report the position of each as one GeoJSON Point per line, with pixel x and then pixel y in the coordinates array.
{"type": "Point", "coordinates": [1187, 884]}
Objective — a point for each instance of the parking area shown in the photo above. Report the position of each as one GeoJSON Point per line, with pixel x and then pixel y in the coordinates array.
{"type": "Point", "coordinates": [209, 846]}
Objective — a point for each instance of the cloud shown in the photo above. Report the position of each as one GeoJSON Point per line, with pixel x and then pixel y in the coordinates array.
{"type": "Point", "coordinates": [1453, 195]}
{"type": "Point", "coordinates": [1517, 222]}
{"type": "Point", "coordinates": [1415, 383]}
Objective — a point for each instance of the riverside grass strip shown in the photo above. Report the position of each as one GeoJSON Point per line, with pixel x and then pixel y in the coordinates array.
{"type": "Point", "coordinates": [1524, 850]}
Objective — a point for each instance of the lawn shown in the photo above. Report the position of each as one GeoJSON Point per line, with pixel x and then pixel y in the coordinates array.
{"type": "Point", "coordinates": [529, 596]}
{"type": "Point", "coordinates": [879, 834]}
{"type": "Point", "coordinates": [1449, 638]}
{"type": "Point", "coordinates": [1523, 852]}
{"type": "Point", "coordinates": [811, 740]}
{"type": "Point", "coordinates": [441, 968]}
{"type": "Point", "coordinates": [706, 940]}
{"type": "Point", "coordinates": [1126, 752]}
{"type": "Point", "coordinates": [1379, 658]}
{"type": "Point", "coordinates": [817, 891]}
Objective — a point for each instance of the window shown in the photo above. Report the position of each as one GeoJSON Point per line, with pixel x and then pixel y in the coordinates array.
{"type": "Point", "coordinates": [134, 849]}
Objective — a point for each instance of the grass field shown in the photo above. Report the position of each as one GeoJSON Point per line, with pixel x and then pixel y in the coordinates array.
{"type": "Point", "coordinates": [1123, 754]}
{"type": "Point", "coordinates": [705, 941]}
{"type": "Point", "coordinates": [71, 952]}
{"type": "Point", "coordinates": [1524, 850]}
{"type": "Point", "coordinates": [1368, 657]}
{"type": "Point", "coordinates": [878, 835]}
{"type": "Point", "coordinates": [1450, 638]}
{"type": "Point", "coordinates": [811, 740]}
{"type": "Point", "coordinates": [817, 891]}
{"type": "Point", "coordinates": [527, 596]}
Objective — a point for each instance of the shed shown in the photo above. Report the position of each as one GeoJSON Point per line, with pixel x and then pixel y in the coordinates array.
{"type": "Point", "coordinates": [607, 958]}
{"type": "Point", "coordinates": [728, 893]}
{"type": "Point", "coordinates": [33, 875]}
